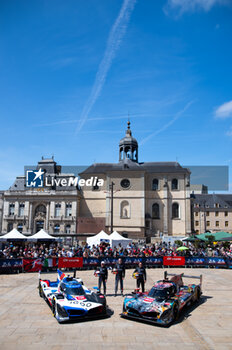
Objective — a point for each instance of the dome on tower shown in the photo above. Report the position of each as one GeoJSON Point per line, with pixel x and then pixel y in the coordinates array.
{"type": "Point", "coordinates": [128, 139]}
{"type": "Point", "coordinates": [128, 146]}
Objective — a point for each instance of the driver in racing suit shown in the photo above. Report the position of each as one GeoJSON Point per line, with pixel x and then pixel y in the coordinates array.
{"type": "Point", "coordinates": [102, 277]}
{"type": "Point", "coordinates": [142, 276]}
{"type": "Point", "coordinates": [119, 276]}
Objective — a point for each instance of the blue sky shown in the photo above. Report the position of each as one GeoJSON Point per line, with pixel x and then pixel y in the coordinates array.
{"type": "Point", "coordinates": [71, 71]}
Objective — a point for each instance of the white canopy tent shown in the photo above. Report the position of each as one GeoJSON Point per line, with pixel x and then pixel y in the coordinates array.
{"type": "Point", "coordinates": [42, 236]}
{"type": "Point", "coordinates": [97, 239]}
{"type": "Point", "coordinates": [116, 238]}
{"type": "Point", "coordinates": [13, 235]}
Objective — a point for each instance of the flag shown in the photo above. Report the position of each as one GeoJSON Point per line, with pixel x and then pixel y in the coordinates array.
{"type": "Point", "coordinates": [61, 275]}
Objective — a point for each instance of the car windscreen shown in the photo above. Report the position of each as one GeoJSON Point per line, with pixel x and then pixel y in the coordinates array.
{"type": "Point", "coordinates": [73, 290]}
{"type": "Point", "coordinates": [159, 292]}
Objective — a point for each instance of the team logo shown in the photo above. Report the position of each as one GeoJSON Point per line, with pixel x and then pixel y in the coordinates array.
{"type": "Point", "coordinates": [35, 178]}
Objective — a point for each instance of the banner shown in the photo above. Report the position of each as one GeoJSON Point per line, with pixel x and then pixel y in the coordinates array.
{"type": "Point", "coordinates": [216, 261]}
{"type": "Point", "coordinates": [130, 261]}
{"type": "Point", "coordinates": [50, 262]}
{"type": "Point", "coordinates": [109, 261]}
{"type": "Point", "coordinates": [195, 261]}
{"type": "Point", "coordinates": [32, 265]}
{"type": "Point", "coordinates": [10, 265]}
{"type": "Point", "coordinates": [152, 261]}
{"type": "Point", "coordinates": [173, 260]}
{"type": "Point", "coordinates": [70, 262]}
{"type": "Point", "coordinates": [228, 262]}
{"type": "Point", "coordinates": [88, 262]}
{"type": "Point", "coordinates": [39, 264]}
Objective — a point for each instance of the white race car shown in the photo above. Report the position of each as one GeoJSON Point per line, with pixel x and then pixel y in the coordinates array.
{"type": "Point", "coordinates": [70, 299]}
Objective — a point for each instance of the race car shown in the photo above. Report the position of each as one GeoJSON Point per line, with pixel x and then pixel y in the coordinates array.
{"type": "Point", "coordinates": [163, 303]}
{"type": "Point", "coordinates": [69, 299]}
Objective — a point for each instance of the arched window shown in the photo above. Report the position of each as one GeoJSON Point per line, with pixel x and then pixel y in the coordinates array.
{"type": "Point", "coordinates": [174, 184]}
{"type": "Point", "coordinates": [121, 153]}
{"type": "Point", "coordinates": [125, 210]}
{"type": "Point", "coordinates": [155, 211]}
{"type": "Point", "coordinates": [40, 209]}
{"type": "Point", "coordinates": [155, 184]}
{"type": "Point", "coordinates": [95, 187]}
{"type": "Point", "coordinates": [175, 211]}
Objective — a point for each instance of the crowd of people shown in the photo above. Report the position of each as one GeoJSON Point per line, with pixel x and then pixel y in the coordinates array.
{"type": "Point", "coordinates": [56, 250]}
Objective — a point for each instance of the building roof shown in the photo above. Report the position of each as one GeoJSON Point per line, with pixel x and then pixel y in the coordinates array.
{"type": "Point", "coordinates": [129, 165]}
{"type": "Point", "coordinates": [215, 201]}
{"type": "Point", "coordinates": [198, 189]}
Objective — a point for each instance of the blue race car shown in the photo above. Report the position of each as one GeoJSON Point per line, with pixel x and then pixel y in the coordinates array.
{"type": "Point", "coordinates": [69, 299]}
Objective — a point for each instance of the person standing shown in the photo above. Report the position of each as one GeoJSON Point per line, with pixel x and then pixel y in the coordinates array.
{"type": "Point", "coordinates": [142, 276]}
{"type": "Point", "coordinates": [102, 277]}
{"type": "Point", "coordinates": [120, 275]}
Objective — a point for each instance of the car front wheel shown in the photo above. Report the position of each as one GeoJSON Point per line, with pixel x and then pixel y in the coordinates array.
{"type": "Point", "coordinates": [41, 291]}
{"type": "Point", "coordinates": [175, 312]}
{"type": "Point", "coordinates": [198, 295]}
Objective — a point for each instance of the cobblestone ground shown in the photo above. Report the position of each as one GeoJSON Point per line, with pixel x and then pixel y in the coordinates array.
{"type": "Point", "coordinates": [27, 323]}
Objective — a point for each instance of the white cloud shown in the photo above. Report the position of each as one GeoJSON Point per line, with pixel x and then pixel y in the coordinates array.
{"type": "Point", "coordinates": [117, 32]}
{"type": "Point", "coordinates": [224, 111]}
{"type": "Point", "coordinates": [183, 6]}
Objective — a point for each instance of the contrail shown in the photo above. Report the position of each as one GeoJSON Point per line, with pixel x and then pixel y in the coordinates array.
{"type": "Point", "coordinates": [177, 116]}
{"type": "Point", "coordinates": [114, 40]}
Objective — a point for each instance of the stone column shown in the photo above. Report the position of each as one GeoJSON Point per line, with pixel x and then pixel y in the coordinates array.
{"type": "Point", "coordinates": [166, 204]}
{"type": "Point", "coordinates": [108, 214]}
{"type": "Point", "coordinates": [30, 218]}
{"type": "Point", "coordinates": [187, 207]}
{"type": "Point", "coordinates": [1, 219]}
{"type": "Point", "coordinates": [16, 208]}
{"type": "Point", "coordinates": [47, 216]}
{"type": "Point", "coordinates": [75, 215]}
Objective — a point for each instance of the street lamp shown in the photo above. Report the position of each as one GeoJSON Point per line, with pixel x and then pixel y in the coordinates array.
{"type": "Point", "coordinates": [111, 187]}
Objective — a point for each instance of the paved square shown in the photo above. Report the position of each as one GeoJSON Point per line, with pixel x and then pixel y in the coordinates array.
{"type": "Point", "coordinates": [27, 323]}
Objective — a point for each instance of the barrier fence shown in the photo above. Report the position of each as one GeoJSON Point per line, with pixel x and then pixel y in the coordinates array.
{"type": "Point", "coordinates": [49, 264]}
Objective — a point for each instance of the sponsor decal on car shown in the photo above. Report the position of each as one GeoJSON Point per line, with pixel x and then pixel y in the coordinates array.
{"type": "Point", "coordinates": [148, 300]}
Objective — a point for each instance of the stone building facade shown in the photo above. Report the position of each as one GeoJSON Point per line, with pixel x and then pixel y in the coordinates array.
{"type": "Point", "coordinates": [149, 199]}
{"type": "Point", "coordinates": [138, 199]}
{"type": "Point", "coordinates": [1, 208]}
{"type": "Point", "coordinates": [212, 212]}
{"type": "Point", "coordinates": [54, 209]}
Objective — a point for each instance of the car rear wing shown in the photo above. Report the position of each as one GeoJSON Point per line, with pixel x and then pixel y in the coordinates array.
{"type": "Point", "coordinates": [67, 275]}
{"type": "Point", "coordinates": [166, 274]}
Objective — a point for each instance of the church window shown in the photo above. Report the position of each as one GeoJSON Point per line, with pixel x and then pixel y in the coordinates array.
{"type": "Point", "coordinates": [174, 184]}
{"type": "Point", "coordinates": [155, 211]}
{"type": "Point", "coordinates": [175, 211]}
{"type": "Point", "coordinates": [155, 184]}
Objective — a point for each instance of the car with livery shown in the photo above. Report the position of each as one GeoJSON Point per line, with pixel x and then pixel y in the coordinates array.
{"type": "Point", "coordinates": [163, 303]}
{"type": "Point", "coordinates": [69, 299]}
